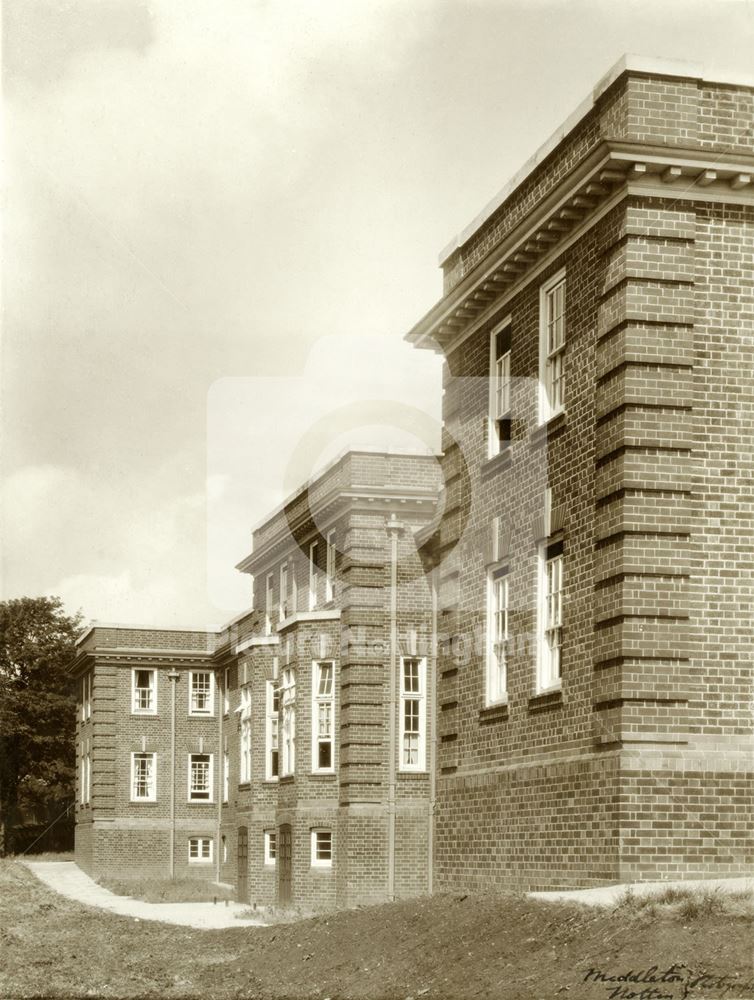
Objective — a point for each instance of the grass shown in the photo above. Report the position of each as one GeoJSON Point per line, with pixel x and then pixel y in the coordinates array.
{"type": "Point", "coordinates": [46, 856]}
{"type": "Point", "coordinates": [691, 904]}
{"type": "Point", "coordinates": [184, 890]}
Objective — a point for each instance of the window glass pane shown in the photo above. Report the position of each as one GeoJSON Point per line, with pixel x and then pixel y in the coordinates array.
{"type": "Point", "coordinates": [325, 680]}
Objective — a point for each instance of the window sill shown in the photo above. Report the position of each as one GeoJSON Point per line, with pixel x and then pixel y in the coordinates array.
{"type": "Point", "coordinates": [410, 772]}
{"type": "Point", "coordinates": [322, 774]}
{"type": "Point", "coordinates": [494, 713]}
{"type": "Point", "coordinates": [497, 464]}
{"type": "Point", "coordinates": [200, 802]}
{"type": "Point", "coordinates": [201, 715]}
{"type": "Point", "coordinates": [552, 698]}
{"type": "Point", "coordinates": [142, 715]}
{"type": "Point", "coordinates": [549, 429]}
{"type": "Point", "coordinates": [143, 802]}
{"type": "Point", "coordinates": [269, 781]}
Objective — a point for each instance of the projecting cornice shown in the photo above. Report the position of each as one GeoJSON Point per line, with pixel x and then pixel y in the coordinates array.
{"type": "Point", "coordinates": [327, 510]}
{"type": "Point", "coordinates": [612, 172]}
{"type": "Point", "coordinates": [134, 657]}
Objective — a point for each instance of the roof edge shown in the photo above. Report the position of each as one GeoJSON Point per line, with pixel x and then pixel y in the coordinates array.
{"type": "Point", "coordinates": [627, 63]}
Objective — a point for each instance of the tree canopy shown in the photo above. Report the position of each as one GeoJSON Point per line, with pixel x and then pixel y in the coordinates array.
{"type": "Point", "coordinates": [37, 718]}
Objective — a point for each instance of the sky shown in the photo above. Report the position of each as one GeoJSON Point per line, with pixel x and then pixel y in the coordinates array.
{"type": "Point", "coordinates": [220, 220]}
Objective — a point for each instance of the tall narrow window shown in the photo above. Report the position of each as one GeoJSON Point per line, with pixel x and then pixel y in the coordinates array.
{"type": "Point", "coordinates": [226, 691]}
{"type": "Point", "coordinates": [201, 692]}
{"type": "Point", "coordinates": [82, 776]}
{"type": "Point", "coordinates": [270, 847]}
{"type": "Point", "coordinates": [413, 721]}
{"type": "Point", "coordinates": [226, 775]}
{"type": "Point", "coordinates": [200, 777]}
{"type": "Point", "coordinates": [143, 777]}
{"type": "Point", "coordinates": [271, 735]}
{"type": "Point", "coordinates": [144, 692]}
{"type": "Point", "coordinates": [500, 389]}
{"type": "Point", "coordinates": [313, 575]}
{"type": "Point", "coordinates": [284, 591]}
{"type": "Point", "coordinates": [497, 636]}
{"type": "Point", "coordinates": [289, 721]}
{"type": "Point", "coordinates": [552, 347]}
{"type": "Point", "coordinates": [323, 712]}
{"type": "Point", "coordinates": [550, 615]}
{"type": "Point", "coordinates": [330, 567]}
{"type": "Point", "coordinates": [269, 583]}
{"type": "Point", "coordinates": [88, 776]}
{"type": "Point", "coordinates": [245, 747]}
{"type": "Point", "coordinates": [86, 695]}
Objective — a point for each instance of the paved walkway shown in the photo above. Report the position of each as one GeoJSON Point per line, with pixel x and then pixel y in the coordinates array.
{"type": "Point", "coordinates": [609, 895]}
{"type": "Point", "coordinates": [68, 879]}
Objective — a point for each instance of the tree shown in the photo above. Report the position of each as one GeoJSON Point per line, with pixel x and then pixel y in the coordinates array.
{"type": "Point", "coordinates": [37, 716]}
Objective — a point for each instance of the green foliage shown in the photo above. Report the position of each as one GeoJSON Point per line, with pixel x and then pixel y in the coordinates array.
{"type": "Point", "coordinates": [37, 715]}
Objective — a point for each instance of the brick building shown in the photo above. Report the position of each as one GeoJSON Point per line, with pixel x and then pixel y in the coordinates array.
{"type": "Point", "coordinates": [266, 754]}
{"type": "Point", "coordinates": [595, 554]}
{"type": "Point", "coordinates": [552, 673]}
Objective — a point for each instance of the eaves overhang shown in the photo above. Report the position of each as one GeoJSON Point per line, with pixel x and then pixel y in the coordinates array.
{"type": "Point", "coordinates": [610, 173]}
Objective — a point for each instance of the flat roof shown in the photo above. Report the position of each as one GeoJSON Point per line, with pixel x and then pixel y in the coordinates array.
{"type": "Point", "coordinates": [638, 64]}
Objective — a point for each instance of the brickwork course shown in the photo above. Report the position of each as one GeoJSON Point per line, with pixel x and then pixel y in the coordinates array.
{"type": "Point", "coordinates": [635, 763]}
{"type": "Point", "coordinates": [638, 764]}
{"type": "Point", "coordinates": [351, 615]}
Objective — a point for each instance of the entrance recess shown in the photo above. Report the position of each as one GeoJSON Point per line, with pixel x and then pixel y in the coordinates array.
{"type": "Point", "coordinates": [243, 865]}
{"type": "Point", "coordinates": [284, 860]}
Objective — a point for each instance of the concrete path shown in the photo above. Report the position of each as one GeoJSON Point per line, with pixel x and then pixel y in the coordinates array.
{"type": "Point", "coordinates": [67, 878]}
{"type": "Point", "coordinates": [609, 895]}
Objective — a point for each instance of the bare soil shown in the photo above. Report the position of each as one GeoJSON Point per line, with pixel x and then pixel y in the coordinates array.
{"type": "Point", "coordinates": [505, 947]}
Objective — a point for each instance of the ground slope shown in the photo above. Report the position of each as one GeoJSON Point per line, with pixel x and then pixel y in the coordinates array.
{"type": "Point", "coordinates": [501, 947]}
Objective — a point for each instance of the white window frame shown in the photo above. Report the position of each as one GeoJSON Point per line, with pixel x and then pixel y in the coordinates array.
{"type": "Point", "coordinates": [87, 683]}
{"type": "Point", "coordinates": [316, 861]}
{"type": "Point", "coordinates": [224, 846]}
{"type": "Point", "coordinates": [135, 710]}
{"type": "Point", "coordinates": [284, 610]}
{"type": "Point", "coordinates": [420, 697]}
{"type": "Point", "coordinates": [549, 616]}
{"type": "Point", "coordinates": [244, 746]}
{"type": "Point", "coordinates": [330, 553]}
{"type": "Point", "coordinates": [496, 664]}
{"type": "Point", "coordinates": [270, 847]}
{"type": "Point", "coordinates": [226, 691]}
{"type": "Point", "coordinates": [269, 584]}
{"type": "Point", "coordinates": [226, 776]}
{"type": "Point", "coordinates": [500, 387]}
{"type": "Point", "coordinates": [202, 712]}
{"type": "Point", "coordinates": [288, 722]}
{"type": "Point", "coordinates": [323, 704]}
{"type": "Point", "coordinates": [151, 795]}
{"type": "Point", "coordinates": [313, 575]}
{"type": "Point", "coordinates": [82, 776]}
{"type": "Point", "coordinates": [272, 732]}
{"type": "Point", "coordinates": [200, 842]}
{"type": "Point", "coordinates": [552, 358]}
{"type": "Point", "coordinates": [211, 774]}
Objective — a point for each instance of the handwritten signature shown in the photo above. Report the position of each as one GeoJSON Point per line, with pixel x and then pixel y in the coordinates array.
{"type": "Point", "coordinates": [673, 983]}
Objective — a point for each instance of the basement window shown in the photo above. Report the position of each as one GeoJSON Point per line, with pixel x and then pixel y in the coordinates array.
{"type": "Point", "coordinates": [321, 848]}
{"type": "Point", "coordinates": [199, 850]}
